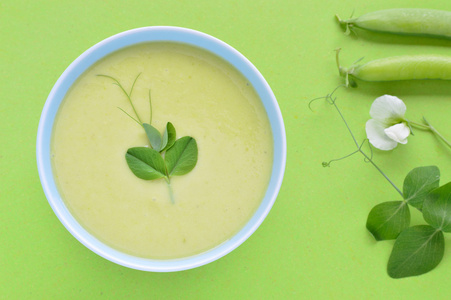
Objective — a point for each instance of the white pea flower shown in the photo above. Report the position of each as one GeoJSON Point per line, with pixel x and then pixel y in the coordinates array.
{"type": "Point", "coordinates": [388, 127]}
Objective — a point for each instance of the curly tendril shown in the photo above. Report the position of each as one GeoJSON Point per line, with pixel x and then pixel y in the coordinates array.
{"type": "Point", "coordinates": [367, 158]}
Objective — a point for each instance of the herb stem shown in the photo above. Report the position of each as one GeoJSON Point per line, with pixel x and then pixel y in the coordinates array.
{"type": "Point", "coordinates": [361, 151]}
{"type": "Point", "coordinates": [125, 92]}
{"type": "Point", "coordinates": [129, 116]}
{"type": "Point", "coordinates": [171, 192]}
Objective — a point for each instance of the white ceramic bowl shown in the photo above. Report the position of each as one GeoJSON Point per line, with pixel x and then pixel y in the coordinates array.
{"type": "Point", "coordinates": [129, 38]}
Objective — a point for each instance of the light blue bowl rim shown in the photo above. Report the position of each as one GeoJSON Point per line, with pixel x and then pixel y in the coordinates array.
{"type": "Point", "coordinates": [144, 35]}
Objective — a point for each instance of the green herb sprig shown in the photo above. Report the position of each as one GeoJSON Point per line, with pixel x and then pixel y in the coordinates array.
{"type": "Point", "coordinates": [417, 249]}
{"type": "Point", "coordinates": [166, 155]}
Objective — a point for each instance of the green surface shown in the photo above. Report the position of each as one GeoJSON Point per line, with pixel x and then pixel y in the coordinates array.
{"type": "Point", "coordinates": [313, 244]}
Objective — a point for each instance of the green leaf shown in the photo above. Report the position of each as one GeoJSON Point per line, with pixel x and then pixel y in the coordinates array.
{"type": "Point", "coordinates": [418, 183]}
{"type": "Point", "coordinates": [145, 163]}
{"type": "Point", "coordinates": [181, 158]}
{"type": "Point", "coordinates": [168, 137]}
{"type": "Point", "coordinates": [387, 220]}
{"type": "Point", "coordinates": [437, 208]}
{"type": "Point", "coordinates": [154, 136]}
{"type": "Point", "coordinates": [417, 250]}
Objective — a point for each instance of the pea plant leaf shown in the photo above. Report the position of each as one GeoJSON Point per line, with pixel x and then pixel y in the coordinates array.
{"type": "Point", "coordinates": [169, 137]}
{"type": "Point", "coordinates": [181, 158]}
{"type": "Point", "coordinates": [437, 208]}
{"type": "Point", "coordinates": [418, 183]}
{"type": "Point", "coordinates": [416, 251]}
{"type": "Point", "coordinates": [388, 219]}
{"type": "Point", "coordinates": [166, 155]}
{"type": "Point", "coordinates": [154, 136]}
{"type": "Point", "coordinates": [145, 163]}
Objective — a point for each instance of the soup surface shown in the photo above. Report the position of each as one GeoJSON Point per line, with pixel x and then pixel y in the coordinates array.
{"type": "Point", "coordinates": [203, 97]}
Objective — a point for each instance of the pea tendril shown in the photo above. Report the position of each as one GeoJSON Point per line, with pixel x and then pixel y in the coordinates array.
{"type": "Point", "coordinates": [417, 249]}
{"type": "Point", "coordinates": [429, 127]}
{"type": "Point", "coordinates": [165, 156]}
{"type": "Point", "coordinates": [332, 100]}
{"type": "Point", "coordinates": [128, 95]}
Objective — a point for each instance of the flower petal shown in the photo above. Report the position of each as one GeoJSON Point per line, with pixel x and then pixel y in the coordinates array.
{"type": "Point", "coordinates": [376, 135]}
{"type": "Point", "coordinates": [388, 109]}
{"type": "Point", "coordinates": [398, 132]}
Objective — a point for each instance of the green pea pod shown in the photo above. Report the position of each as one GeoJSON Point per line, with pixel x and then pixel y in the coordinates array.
{"type": "Point", "coordinates": [404, 21]}
{"type": "Point", "coordinates": [406, 67]}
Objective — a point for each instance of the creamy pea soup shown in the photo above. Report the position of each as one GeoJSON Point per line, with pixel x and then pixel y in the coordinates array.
{"type": "Point", "coordinates": [204, 97]}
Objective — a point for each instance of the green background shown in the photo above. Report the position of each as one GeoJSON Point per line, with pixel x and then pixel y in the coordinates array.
{"type": "Point", "coordinates": [313, 244]}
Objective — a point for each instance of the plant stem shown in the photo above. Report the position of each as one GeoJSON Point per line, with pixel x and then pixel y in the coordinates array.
{"type": "Point", "coordinates": [432, 129]}
{"type": "Point", "coordinates": [126, 94]}
{"type": "Point", "coordinates": [361, 151]}
{"type": "Point", "coordinates": [171, 192]}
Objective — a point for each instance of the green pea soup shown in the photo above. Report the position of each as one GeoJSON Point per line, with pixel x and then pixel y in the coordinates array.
{"type": "Point", "coordinates": [204, 97]}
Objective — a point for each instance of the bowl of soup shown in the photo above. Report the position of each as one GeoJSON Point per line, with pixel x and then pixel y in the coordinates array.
{"type": "Point", "coordinates": [207, 90]}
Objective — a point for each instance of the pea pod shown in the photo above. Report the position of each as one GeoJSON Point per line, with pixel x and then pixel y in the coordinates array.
{"type": "Point", "coordinates": [406, 67]}
{"type": "Point", "coordinates": [404, 21]}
